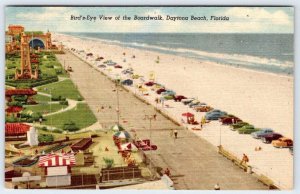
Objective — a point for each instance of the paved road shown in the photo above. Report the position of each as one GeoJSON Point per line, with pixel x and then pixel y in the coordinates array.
{"type": "Point", "coordinates": [194, 163]}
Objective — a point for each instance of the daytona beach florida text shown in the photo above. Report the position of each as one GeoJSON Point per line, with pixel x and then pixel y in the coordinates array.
{"type": "Point", "coordinates": [158, 17]}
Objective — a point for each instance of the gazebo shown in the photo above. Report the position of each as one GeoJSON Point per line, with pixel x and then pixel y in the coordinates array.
{"type": "Point", "coordinates": [57, 168]}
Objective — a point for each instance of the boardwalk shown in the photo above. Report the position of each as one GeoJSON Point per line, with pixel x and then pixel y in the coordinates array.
{"type": "Point", "coordinates": [194, 163]}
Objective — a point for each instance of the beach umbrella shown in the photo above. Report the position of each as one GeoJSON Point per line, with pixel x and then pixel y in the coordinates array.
{"type": "Point", "coordinates": [117, 128]}
{"type": "Point", "coordinates": [122, 135]}
{"type": "Point", "coordinates": [187, 114]}
{"type": "Point", "coordinates": [128, 147]}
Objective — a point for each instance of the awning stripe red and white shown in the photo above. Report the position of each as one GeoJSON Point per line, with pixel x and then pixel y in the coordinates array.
{"type": "Point", "coordinates": [61, 159]}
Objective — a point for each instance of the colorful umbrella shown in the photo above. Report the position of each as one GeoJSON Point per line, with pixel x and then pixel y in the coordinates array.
{"type": "Point", "coordinates": [122, 135]}
{"type": "Point", "coordinates": [187, 114]}
{"type": "Point", "coordinates": [117, 128]}
{"type": "Point", "coordinates": [128, 147]}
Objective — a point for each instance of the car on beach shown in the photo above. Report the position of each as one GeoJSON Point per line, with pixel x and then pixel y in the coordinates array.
{"type": "Point", "coordinates": [282, 142]}
{"type": "Point", "coordinates": [202, 108]}
{"type": "Point", "coordinates": [118, 66]}
{"type": "Point", "coordinates": [178, 98]}
{"type": "Point", "coordinates": [216, 111]}
{"type": "Point", "coordinates": [159, 91]}
{"type": "Point", "coordinates": [187, 100]}
{"type": "Point", "coordinates": [229, 120]}
{"type": "Point", "coordinates": [261, 133]}
{"type": "Point", "coordinates": [135, 76]}
{"type": "Point", "coordinates": [102, 66]}
{"type": "Point", "coordinates": [270, 137]}
{"type": "Point", "coordinates": [168, 97]}
{"type": "Point", "coordinates": [127, 71]}
{"type": "Point", "coordinates": [168, 92]}
{"type": "Point", "coordinates": [214, 115]}
{"type": "Point", "coordinates": [237, 125]}
{"type": "Point", "coordinates": [247, 129]}
{"type": "Point", "coordinates": [149, 84]}
{"type": "Point", "coordinates": [194, 103]}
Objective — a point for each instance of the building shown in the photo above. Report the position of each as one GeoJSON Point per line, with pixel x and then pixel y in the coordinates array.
{"type": "Point", "coordinates": [15, 29]}
{"type": "Point", "coordinates": [57, 168]}
{"type": "Point", "coordinates": [18, 130]}
{"type": "Point", "coordinates": [13, 110]}
{"type": "Point", "coordinates": [11, 92]}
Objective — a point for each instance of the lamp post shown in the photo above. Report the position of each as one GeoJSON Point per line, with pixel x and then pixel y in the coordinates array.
{"type": "Point", "coordinates": [150, 118]}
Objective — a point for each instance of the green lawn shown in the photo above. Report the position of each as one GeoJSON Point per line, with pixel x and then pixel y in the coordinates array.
{"type": "Point", "coordinates": [81, 115]}
{"type": "Point", "coordinates": [44, 108]}
{"type": "Point", "coordinates": [41, 98]}
{"type": "Point", "coordinates": [64, 88]}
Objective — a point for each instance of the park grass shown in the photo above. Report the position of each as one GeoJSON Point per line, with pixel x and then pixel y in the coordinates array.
{"type": "Point", "coordinates": [64, 88]}
{"type": "Point", "coordinates": [44, 108]}
{"type": "Point", "coordinates": [41, 98]}
{"type": "Point", "coordinates": [81, 115]}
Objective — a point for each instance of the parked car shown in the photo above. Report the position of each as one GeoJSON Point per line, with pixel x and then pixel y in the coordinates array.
{"type": "Point", "coordinates": [135, 76]}
{"type": "Point", "coordinates": [282, 142]}
{"type": "Point", "coordinates": [169, 93]}
{"type": "Point", "coordinates": [178, 98]}
{"type": "Point", "coordinates": [261, 133]}
{"type": "Point", "coordinates": [229, 120]}
{"type": "Point", "coordinates": [159, 91]}
{"type": "Point", "coordinates": [204, 108]}
{"type": "Point", "coordinates": [118, 66]}
{"type": "Point", "coordinates": [270, 137]}
{"type": "Point", "coordinates": [214, 115]}
{"type": "Point", "coordinates": [247, 129]}
{"type": "Point", "coordinates": [127, 82]}
{"type": "Point", "coordinates": [101, 66]}
{"type": "Point", "coordinates": [168, 97]}
{"type": "Point", "coordinates": [149, 83]}
{"type": "Point", "coordinates": [187, 100]}
{"type": "Point", "coordinates": [238, 125]}
{"type": "Point", "coordinates": [194, 103]}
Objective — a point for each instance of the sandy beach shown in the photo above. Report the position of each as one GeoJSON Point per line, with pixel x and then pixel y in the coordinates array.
{"type": "Point", "coordinates": [262, 99]}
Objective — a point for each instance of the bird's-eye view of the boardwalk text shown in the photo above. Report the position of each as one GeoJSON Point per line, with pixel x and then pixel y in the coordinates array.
{"type": "Point", "coordinates": [119, 106]}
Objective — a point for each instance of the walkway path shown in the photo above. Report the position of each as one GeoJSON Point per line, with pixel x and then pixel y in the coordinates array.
{"type": "Point", "coordinates": [194, 163]}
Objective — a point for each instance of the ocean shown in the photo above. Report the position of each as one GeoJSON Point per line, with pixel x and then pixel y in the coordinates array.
{"type": "Point", "coordinates": [262, 52]}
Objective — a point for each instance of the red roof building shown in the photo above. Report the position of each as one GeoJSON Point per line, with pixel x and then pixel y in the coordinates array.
{"type": "Point", "coordinates": [13, 109]}
{"type": "Point", "coordinates": [11, 92]}
{"type": "Point", "coordinates": [16, 129]}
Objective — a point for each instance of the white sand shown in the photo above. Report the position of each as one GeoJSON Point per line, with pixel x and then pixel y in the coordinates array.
{"type": "Point", "coordinates": [262, 99]}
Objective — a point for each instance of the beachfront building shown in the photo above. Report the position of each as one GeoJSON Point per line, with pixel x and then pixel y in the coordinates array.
{"type": "Point", "coordinates": [29, 92]}
{"type": "Point", "coordinates": [16, 130]}
{"type": "Point", "coordinates": [57, 168]}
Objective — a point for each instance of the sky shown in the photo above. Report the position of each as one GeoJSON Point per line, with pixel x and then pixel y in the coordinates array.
{"type": "Point", "coordinates": [241, 19]}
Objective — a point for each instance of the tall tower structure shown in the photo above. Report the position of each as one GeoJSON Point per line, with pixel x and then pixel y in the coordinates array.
{"type": "Point", "coordinates": [26, 70]}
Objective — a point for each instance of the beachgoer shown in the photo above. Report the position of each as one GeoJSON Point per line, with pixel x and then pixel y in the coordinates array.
{"type": "Point", "coordinates": [217, 187]}
{"type": "Point", "coordinates": [245, 159]}
{"type": "Point", "coordinates": [175, 133]}
{"type": "Point", "coordinates": [167, 172]}
{"type": "Point", "coordinates": [154, 116]}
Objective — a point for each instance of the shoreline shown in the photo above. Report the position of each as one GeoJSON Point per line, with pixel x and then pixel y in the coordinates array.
{"type": "Point", "coordinates": [104, 41]}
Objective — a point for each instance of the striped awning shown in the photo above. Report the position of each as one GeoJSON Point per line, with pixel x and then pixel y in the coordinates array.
{"type": "Point", "coordinates": [60, 159]}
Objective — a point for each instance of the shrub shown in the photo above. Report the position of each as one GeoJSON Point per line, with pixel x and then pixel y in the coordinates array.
{"type": "Point", "coordinates": [65, 102]}
{"type": "Point", "coordinates": [45, 138]}
{"type": "Point", "coordinates": [15, 103]}
{"type": "Point", "coordinates": [44, 129]}
{"type": "Point", "coordinates": [109, 162]}
{"type": "Point", "coordinates": [57, 98]}
{"type": "Point", "coordinates": [10, 119]}
{"type": "Point", "coordinates": [70, 126]}
{"type": "Point", "coordinates": [20, 97]}
{"type": "Point", "coordinates": [57, 131]}
{"type": "Point", "coordinates": [79, 98]}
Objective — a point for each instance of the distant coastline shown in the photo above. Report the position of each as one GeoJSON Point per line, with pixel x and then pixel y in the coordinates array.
{"type": "Point", "coordinates": [248, 57]}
